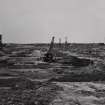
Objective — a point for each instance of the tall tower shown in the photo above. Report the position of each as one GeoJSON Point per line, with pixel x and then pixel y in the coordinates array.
{"type": "Point", "coordinates": [51, 45]}
{"type": "Point", "coordinates": [0, 41]}
{"type": "Point", "coordinates": [59, 42]}
{"type": "Point", "coordinates": [66, 43]}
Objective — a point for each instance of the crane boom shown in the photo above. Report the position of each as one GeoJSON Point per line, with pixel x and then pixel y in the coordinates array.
{"type": "Point", "coordinates": [51, 45]}
{"type": "Point", "coordinates": [49, 56]}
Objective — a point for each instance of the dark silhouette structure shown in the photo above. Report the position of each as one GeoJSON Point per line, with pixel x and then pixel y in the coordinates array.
{"type": "Point", "coordinates": [1, 42]}
{"type": "Point", "coordinates": [65, 59]}
{"type": "Point", "coordinates": [66, 45]}
{"type": "Point", "coordinates": [49, 56]}
{"type": "Point", "coordinates": [59, 42]}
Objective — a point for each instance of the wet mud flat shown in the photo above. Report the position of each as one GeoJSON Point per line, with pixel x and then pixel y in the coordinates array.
{"type": "Point", "coordinates": [27, 80]}
{"type": "Point", "coordinates": [80, 93]}
{"type": "Point", "coordinates": [42, 95]}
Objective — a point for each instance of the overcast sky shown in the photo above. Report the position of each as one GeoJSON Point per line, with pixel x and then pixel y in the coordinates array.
{"type": "Point", "coordinates": [31, 21]}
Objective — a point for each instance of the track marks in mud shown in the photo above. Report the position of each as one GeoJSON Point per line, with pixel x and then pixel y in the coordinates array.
{"type": "Point", "coordinates": [80, 93]}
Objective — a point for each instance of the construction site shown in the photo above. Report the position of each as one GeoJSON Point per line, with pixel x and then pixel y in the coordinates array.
{"type": "Point", "coordinates": [52, 74]}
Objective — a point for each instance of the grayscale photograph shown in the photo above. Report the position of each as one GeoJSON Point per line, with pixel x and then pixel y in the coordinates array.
{"type": "Point", "coordinates": [52, 52]}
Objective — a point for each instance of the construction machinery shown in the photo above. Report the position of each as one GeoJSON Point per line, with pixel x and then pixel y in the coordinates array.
{"type": "Point", "coordinates": [49, 56]}
{"type": "Point", "coordinates": [63, 58]}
